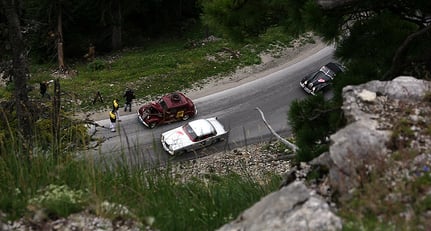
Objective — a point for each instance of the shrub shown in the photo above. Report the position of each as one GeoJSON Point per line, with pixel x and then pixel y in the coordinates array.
{"type": "Point", "coordinates": [59, 200]}
{"type": "Point", "coordinates": [312, 120]}
{"type": "Point", "coordinates": [96, 65]}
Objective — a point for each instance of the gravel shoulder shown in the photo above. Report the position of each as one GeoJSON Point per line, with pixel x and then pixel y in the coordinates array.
{"type": "Point", "coordinates": [271, 62]}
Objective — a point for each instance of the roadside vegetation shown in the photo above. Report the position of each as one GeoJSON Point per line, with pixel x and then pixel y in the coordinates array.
{"type": "Point", "coordinates": [59, 184]}
{"type": "Point", "coordinates": [60, 187]}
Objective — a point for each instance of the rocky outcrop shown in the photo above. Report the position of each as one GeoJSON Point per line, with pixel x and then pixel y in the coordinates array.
{"type": "Point", "coordinates": [373, 112]}
{"type": "Point", "coordinates": [78, 221]}
{"type": "Point", "coordinates": [294, 207]}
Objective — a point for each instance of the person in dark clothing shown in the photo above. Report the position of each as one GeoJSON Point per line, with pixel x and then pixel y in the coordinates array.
{"type": "Point", "coordinates": [129, 95]}
{"type": "Point", "coordinates": [43, 89]}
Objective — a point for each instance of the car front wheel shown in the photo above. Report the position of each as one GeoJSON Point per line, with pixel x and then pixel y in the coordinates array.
{"type": "Point", "coordinates": [186, 117]}
{"type": "Point", "coordinates": [152, 125]}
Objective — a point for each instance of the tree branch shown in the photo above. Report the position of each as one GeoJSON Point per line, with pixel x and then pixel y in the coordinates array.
{"type": "Point", "coordinates": [284, 141]}
{"type": "Point", "coordinates": [400, 54]}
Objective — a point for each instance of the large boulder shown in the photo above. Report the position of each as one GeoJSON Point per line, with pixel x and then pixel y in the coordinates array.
{"type": "Point", "coordinates": [354, 149]}
{"type": "Point", "coordinates": [371, 111]}
{"type": "Point", "coordinates": [294, 207]}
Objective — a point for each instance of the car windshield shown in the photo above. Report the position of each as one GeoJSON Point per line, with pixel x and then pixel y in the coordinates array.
{"type": "Point", "coordinates": [152, 110]}
{"type": "Point", "coordinates": [327, 71]}
{"type": "Point", "coordinates": [190, 132]}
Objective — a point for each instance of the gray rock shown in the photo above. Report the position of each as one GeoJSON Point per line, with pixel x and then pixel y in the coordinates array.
{"type": "Point", "coordinates": [294, 207]}
{"type": "Point", "coordinates": [367, 96]}
{"type": "Point", "coordinates": [402, 87]}
{"type": "Point", "coordinates": [362, 143]}
{"type": "Point", "coordinates": [324, 160]}
{"type": "Point", "coordinates": [354, 147]}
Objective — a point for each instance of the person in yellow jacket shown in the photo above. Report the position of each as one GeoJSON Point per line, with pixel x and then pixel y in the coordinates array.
{"type": "Point", "coordinates": [115, 107]}
{"type": "Point", "coordinates": [113, 119]}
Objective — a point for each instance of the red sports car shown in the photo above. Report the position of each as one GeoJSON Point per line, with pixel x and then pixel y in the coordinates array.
{"type": "Point", "coordinates": [169, 108]}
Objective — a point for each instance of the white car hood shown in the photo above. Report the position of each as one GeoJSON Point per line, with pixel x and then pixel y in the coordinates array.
{"type": "Point", "coordinates": [176, 138]}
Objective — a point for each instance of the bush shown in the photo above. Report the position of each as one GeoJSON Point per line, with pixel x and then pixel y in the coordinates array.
{"type": "Point", "coordinates": [59, 200]}
{"type": "Point", "coordinates": [97, 65]}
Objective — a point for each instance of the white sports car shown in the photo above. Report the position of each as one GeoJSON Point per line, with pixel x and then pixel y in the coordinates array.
{"type": "Point", "coordinates": [193, 135]}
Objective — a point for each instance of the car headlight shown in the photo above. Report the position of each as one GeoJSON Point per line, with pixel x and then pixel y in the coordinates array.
{"type": "Point", "coordinates": [314, 88]}
{"type": "Point", "coordinates": [305, 82]}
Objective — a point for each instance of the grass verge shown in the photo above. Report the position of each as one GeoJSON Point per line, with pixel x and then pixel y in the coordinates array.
{"type": "Point", "coordinates": [66, 185]}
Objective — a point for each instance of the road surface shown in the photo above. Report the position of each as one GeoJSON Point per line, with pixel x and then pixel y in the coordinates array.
{"type": "Point", "coordinates": [235, 107]}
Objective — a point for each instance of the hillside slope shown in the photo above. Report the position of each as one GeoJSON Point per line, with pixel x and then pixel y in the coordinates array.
{"type": "Point", "coordinates": [271, 62]}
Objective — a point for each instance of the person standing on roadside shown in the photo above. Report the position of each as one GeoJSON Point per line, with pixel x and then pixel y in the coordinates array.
{"type": "Point", "coordinates": [115, 107]}
{"type": "Point", "coordinates": [44, 87]}
{"type": "Point", "coordinates": [113, 119]}
{"type": "Point", "coordinates": [129, 95]}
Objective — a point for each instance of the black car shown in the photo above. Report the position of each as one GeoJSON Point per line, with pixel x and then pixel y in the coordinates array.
{"type": "Point", "coordinates": [320, 79]}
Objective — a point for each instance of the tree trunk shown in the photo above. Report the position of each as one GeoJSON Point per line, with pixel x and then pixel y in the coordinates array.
{"type": "Point", "coordinates": [60, 52]}
{"type": "Point", "coordinates": [56, 104]}
{"type": "Point", "coordinates": [117, 21]}
{"type": "Point", "coordinates": [20, 73]}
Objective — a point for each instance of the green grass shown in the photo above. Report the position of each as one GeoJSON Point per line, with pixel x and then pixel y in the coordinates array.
{"type": "Point", "coordinates": [68, 185]}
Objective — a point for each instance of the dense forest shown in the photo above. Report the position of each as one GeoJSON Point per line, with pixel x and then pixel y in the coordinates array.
{"type": "Point", "coordinates": [374, 39]}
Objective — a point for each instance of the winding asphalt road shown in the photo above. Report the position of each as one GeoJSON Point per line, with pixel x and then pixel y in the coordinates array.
{"type": "Point", "coordinates": [235, 107]}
